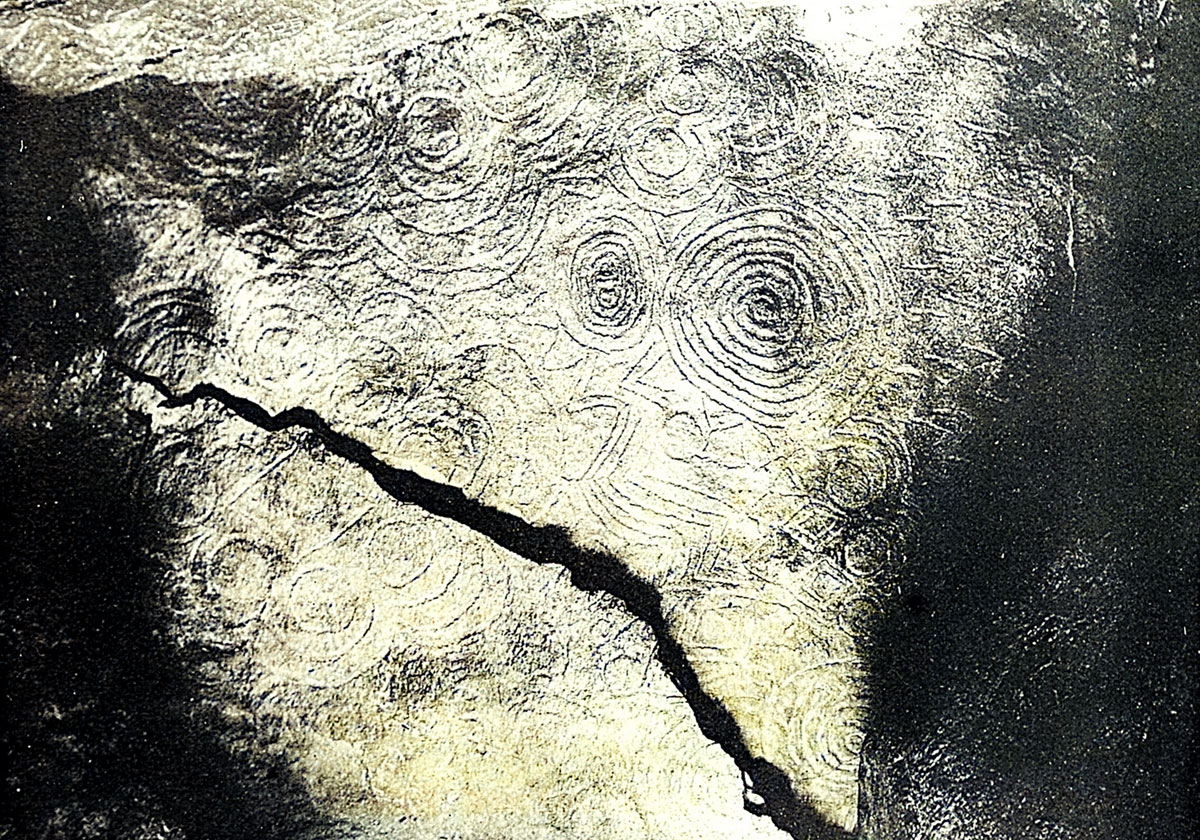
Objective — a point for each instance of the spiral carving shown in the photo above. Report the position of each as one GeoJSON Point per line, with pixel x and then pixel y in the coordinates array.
{"type": "Point", "coordinates": [169, 332]}
{"type": "Point", "coordinates": [347, 135]}
{"type": "Point", "coordinates": [761, 304]}
{"type": "Point", "coordinates": [610, 283]}
{"type": "Point", "coordinates": [818, 734]}
{"type": "Point", "coordinates": [865, 462]}
{"type": "Point", "coordinates": [669, 165]}
{"type": "Point", "coordinates": [784, 117]}
{"type": "Point", "coordinates": [239, 574]}
{"type": "Point", "coordinates": [278, 327]}
{"type": "Point", "coordinates": [441, 433]}
{"type": "Point", "coordinates": [444, 585]}
{"type": "Point", "coordinates": [466, 217]}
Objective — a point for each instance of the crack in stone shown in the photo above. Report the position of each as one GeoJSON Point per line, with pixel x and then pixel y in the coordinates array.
{"type": "Point", "coordinates": [768, 791]}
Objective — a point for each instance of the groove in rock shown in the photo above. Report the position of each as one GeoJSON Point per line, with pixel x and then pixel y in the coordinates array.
{"type": "Point", "coordinates": [768, 792]}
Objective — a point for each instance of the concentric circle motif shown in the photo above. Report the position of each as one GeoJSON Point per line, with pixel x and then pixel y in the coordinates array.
{"type": "Point", "coordinates": [696, 27]}
{"type": "Point", "coordinates": [169, 332]}
{"type": "Point", "coordinates": [278, 332]}
{"type": "Point", "coordinates": [347, 135]}
{"type": "Point", "coordinates": [466, 217]}
{"type": "Point", "coordinates": [867, 550]}
{"type": "Point", "coordinates": [816, 734]}
{"type": "Point", "coordinates": [669, 165]}
{"type": "Point", "coordinates": [516, 63]}
{"type": "Point", "coordinates": [865, 463]}
{"type": "Point", "coordinates": [444, 148]}
{"type": "Point", "coordinates": [706, 90]}
{"type": "Point", "coordinates": [436, 431]}
{"type": "Point", "coordinates": [764, 307]}
{"type": "Point", "coordinates": [388, 358]}
{"type": "Point", "coordinates": [238, 575]}
{"type": "Point", "coordinates": [610, 282]}
{"type": "Point", "coordinates": [783, 119]}
{"type": "Point", "coordinates": [444, 585]}
{"type": "Point", "coordinates": [497, 387]}
{"type": "Point", "coordinates": [327, 613]}
{"type": "Point", "coordinates": [325, 617]}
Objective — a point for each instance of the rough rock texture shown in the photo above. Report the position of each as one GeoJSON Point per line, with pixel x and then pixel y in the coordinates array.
{"type": "Point", "coordinates": [692, 421]}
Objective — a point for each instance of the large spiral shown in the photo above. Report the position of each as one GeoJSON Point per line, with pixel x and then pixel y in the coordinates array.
{"type": "Point", "coordinates": [762, 307]}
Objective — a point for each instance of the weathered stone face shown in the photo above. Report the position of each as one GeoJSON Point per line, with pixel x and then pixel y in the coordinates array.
{"type": "Point", "coordinates": [692, 285]}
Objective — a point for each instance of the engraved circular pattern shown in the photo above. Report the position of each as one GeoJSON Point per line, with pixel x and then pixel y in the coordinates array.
{"type": "Point", "coordinates": [516, 63]}
{"type": "Point", "coordinates": [695, 28]}
{"type": "Point", "coordinates": [866, 463]}
{"type": "Point", "coordinates": [169, 332]}
{"type": "Point", "coordinates": [347, 135]}
{"type": "Point", "coordinates": [818, 731]}
{"type": "Point", "coordinates": [610, 283]}
{"type": "Point", "coordinates": [762, 306]}
{"type": "Point", "coordinates": [327, 613]}
{"type": "Point", "coordinates": [784, 116]}
{"type": "Point", "coordinates": [238, 575]}
{"type": "Point", "coordinates": [669, 165]}
{"type": "Point", "coordinates": [445, 147]}
{"type": "Point", "coordinates": [444, 585]}
{"type": "Point", "coordinates": [327, 622]}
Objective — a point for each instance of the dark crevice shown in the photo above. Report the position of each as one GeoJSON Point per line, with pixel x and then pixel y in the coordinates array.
{"type": "Point", "coordinates": [769, 792]}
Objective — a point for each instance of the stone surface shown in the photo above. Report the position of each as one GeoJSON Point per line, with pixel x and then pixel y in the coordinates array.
{"type": "Point", "coordinates": [704, 295]}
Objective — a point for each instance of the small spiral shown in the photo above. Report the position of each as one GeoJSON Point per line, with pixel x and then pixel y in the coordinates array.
{"type": "Point", "coordinates": [865, 462]}
{"type": "Point", "coordinates": [169, 332]}
{"type": "Point", "coordinates": [238, 576]}
{"type": "Point", "coordinates": [327, 613]}
{"type": "Point", "coordinates": [466, 215]}
{"type": "Point", "coordinates": [784, 117]}
{"type": "Point", "coordinates": [439, 432]}
{"type": "Point", "coordinates": [817, 735]}
{"type": "Point", "coordinates": [278, 333]}
{"type": "Point", "coordinates": [611, 280]}
{"type": "Point", "coordinates": [444, 149]}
